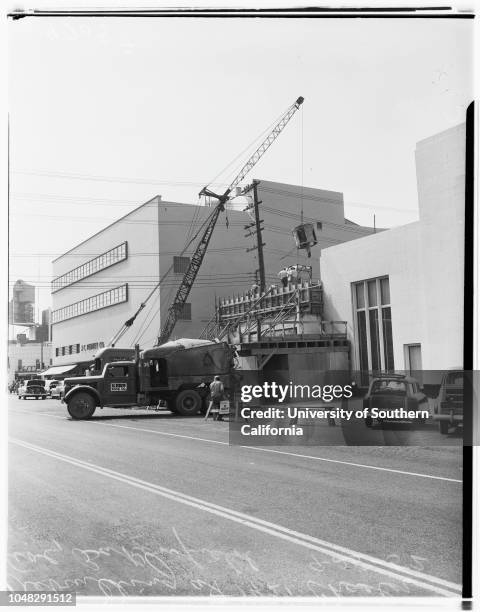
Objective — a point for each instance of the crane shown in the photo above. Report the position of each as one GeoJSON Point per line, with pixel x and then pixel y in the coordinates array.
{"type": "Point", "coordinates": [197, 258]}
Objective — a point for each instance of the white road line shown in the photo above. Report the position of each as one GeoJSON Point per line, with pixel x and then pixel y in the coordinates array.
{"type": "Point", "coordinates": [370, 467]}
{"type": "Point", "coordinates": [161, 433]}
{"type": "Point", "coordinates": [268, 450]}
{"type": "Point", "coordinates": [367, 562]}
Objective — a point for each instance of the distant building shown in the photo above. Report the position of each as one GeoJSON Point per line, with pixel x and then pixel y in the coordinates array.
{"type": "Point", "coordinates": [100, 283]}
{"type": "Point", "coordinates": [27, 359]}
{"type": "Point", "coordinates": [402, 290]}
{"type": "Point", "coordinates": [41, 332]}
{"type": "Point", "coordinates": [22, 305]}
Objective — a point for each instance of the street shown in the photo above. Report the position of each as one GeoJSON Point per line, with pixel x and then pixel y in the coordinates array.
{"type": "Point", "coordinates": [148, 503]}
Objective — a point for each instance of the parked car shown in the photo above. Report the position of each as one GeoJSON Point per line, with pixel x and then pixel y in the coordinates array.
{"type": "Point", "coordinates": [58, 391]}
{"type": "Point", "coordinates": [32, 388]}
{"type": "Point", "coordinates": [50, 385]}
{"type": "Point", "coordinates": [448, 407]}
{"type": "Point", "coordinates": [390, 392]}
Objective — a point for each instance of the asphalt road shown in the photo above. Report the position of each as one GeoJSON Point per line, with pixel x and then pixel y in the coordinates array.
{"type": "Point", "coordinates": [142, 503]}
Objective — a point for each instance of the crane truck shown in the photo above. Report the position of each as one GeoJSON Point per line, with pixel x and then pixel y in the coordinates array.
{"type": "Point", "coordinates": [177, 372]}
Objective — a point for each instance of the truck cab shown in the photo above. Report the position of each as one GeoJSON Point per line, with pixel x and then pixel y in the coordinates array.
{"type": "Point", "coordinates": [115, 387]}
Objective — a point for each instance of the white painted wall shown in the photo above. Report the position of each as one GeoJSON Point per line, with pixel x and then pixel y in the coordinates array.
{"type": "Point", "coordinates": [424, 261]}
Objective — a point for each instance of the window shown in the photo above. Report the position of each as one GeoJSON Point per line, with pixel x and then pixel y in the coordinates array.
{"type": "Point", "coordinates": [374, 325]}
{"type": "Point", "coordinates": [105, 260]}
{"type": "Point", "coordinates": [180, 264]}
{"type": "Point", "coordinates": [96, 302]}
{"type": "Point", "coordinates": [185, 312]}
{"type": "Point", "coordinates": [390, 386]}
{"type": "Point", "coordinates": [117, 371]}
{"type": "Point", "coordinates": [158, 372]}
{"type": "Point", "coordinates": [319, 225]}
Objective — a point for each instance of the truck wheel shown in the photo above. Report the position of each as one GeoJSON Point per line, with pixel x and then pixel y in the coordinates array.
{"type": "Point", "coordinates": [81, 406]}
{"type": "Point", "coordinates": [188, 402]}
{"type": "Point", "coordinates": [443, 427]}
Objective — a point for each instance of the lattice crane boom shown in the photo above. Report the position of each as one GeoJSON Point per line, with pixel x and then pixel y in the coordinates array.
{"type": "Point", "coordinates": [190, 275]}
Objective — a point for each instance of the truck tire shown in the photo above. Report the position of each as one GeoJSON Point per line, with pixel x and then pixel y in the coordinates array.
{"type": "Point", "coordinates": [443, 427]}
{"type": "Point", "coordinates": [188, 402]}
{"type": "Point", "coordinates": [81, 406]}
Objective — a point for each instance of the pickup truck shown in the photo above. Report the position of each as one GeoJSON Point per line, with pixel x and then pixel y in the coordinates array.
{"type": "Point", "coordinates": [177, 373]}
{"type": "Point", "coordinates": [448, 407]}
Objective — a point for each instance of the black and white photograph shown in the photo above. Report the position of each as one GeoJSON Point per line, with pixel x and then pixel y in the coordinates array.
{"type": "Point", "coordinates": [240, 344]}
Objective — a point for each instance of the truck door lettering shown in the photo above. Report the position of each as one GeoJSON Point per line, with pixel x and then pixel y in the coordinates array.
{"type": "Point", "coordinates": [118, 386]}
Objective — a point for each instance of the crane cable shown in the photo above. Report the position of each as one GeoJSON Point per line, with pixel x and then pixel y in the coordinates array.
{"type": "Point", "coordinates": [249, 146]}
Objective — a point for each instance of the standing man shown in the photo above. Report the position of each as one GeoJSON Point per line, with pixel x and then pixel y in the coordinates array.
{"type": "Point", "coordinates": [283, 276]}
{"type": "Point", "coordinates": [217, 391]}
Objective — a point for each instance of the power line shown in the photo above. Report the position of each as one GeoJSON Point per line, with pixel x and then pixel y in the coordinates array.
{"type": "Point", "coordinates": [149, 254]}
{"type": "Point", "coordinates": [104, 178]}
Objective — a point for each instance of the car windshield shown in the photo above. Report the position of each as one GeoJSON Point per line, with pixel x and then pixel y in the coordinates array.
{"type": "Point", "coordinates": [455, 378]}
{"type": "Point", "coordinates": [35, 383]}
{"type": "Point", "coordinates": [388, 386]}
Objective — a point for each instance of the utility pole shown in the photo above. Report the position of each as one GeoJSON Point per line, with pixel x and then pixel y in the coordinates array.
{"type": "Point", "coordinates": [260, 244]}
{"type": "Point", "coordinates": [260, 273]}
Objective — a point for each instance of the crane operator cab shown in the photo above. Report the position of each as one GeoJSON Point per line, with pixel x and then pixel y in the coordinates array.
{"type": "Point", "coordinates": [305, 237]}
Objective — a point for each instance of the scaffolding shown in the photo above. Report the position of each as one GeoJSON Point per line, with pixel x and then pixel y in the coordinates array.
{"type": "Point", "coordinates": [289, 311]}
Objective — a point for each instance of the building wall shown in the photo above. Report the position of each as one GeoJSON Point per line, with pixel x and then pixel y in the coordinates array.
{"type": "Point", "coordinates": [157, 231]}
{"type": "Point", "coordinates": [424, 261]}
{"type": "Point", "coordinates": [29, 353]}
{"type": "Point", "coordinates": [394, 253]}
{"type": "Point", "coordinates": [440, 162]}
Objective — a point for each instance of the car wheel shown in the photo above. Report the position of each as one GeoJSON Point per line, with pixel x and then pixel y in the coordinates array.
{"type": "Point", "coordinates": [81, 406]}
{"type": "Point", "coordinates": [188, 402]}
{"type": "Point", "coordinates": [443, 427]}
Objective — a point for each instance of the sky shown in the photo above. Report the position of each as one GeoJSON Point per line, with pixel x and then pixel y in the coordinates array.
{"type": "Point", "coordinates": [106, 113]}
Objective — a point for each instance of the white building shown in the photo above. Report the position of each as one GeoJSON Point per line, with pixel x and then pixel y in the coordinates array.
{"type": "Point", "coordinates": [402, 291]}
{"type": "Point", "coordinates": [100, 283]}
